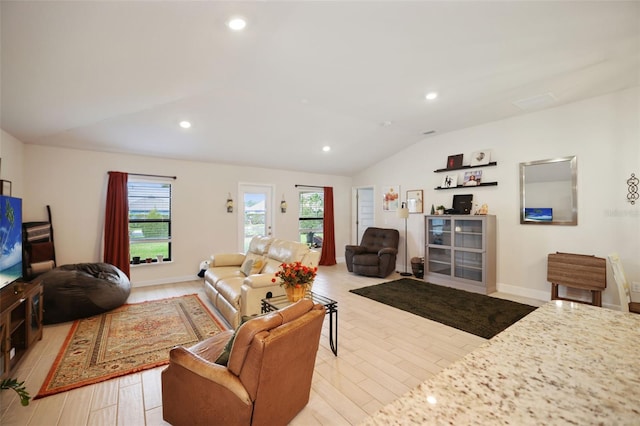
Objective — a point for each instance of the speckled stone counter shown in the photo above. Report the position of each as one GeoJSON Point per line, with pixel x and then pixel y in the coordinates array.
{"type": "Point", "coordinates": [565, 363]}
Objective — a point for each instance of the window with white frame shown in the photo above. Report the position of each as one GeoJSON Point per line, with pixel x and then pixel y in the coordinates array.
{"type": "Point", "coordinates": [149, 221]}
{"type": "Point", "coordinates": [311, 217]}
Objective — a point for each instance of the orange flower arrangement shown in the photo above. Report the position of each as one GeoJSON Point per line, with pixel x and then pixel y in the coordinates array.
{"type": "Point", "coordinates": [295, 275]}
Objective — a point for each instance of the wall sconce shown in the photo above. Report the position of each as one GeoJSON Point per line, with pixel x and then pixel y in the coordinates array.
{"type": "Point", "coordinates": [283, 205]}
{"type": "Point", "coordinates": [229, 204]}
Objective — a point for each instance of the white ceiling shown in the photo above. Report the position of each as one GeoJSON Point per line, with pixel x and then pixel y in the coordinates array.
{"type": "Point", "coordinates": [119, 76]}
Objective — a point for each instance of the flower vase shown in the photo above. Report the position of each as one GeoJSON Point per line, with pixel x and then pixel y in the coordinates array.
{"type": "Point", "coordinates": [295, 293]}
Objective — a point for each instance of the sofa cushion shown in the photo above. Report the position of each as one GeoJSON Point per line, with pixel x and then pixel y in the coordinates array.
{"type": "Point", "coordinates": [229, 288]}
{"type": "Point", "coordinates": [259, 245]}
{"type": "Point", "coordinates": [213, 275]}
{"type": "Point", "coordinates": [252, 266]}
{"type": "Point", "coordinates": [287, 251]}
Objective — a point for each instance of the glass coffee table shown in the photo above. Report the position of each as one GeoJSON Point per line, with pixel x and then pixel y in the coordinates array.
{"type": "Point", "coordinates": [278, 302]}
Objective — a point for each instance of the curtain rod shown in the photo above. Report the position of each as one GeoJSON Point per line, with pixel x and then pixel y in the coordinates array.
{"type": "Point", "coordinates": [158, 176]}
{"type": "Point", "coordinates": [310, 186]}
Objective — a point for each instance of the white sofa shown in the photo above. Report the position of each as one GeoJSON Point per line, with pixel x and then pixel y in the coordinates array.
{"type": "Point", "coordinates": [236, 291]}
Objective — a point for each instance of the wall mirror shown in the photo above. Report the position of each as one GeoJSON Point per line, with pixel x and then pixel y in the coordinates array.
{"type": "Point", "coordinates": [548, 192]}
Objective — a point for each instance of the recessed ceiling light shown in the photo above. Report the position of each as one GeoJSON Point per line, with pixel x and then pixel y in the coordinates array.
{"type": "Point", "coordinates": [237, 24]}
{"type": "Point", "coordinates": [431, 96]}
{"type": "Point", "coordinates": [185, 124]}
{"type": "Point", "coordinates": [387, 123]}
{"type": "Point", "coordinates": [326, 148]}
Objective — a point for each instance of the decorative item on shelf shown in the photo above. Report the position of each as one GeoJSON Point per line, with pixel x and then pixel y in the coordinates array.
{"type": "Point", "coordinates": [454, 161]}
{"type": "Point", "coordinates": [449, 181]}
{"type": "Point", "coordinates": [483, 210]}
{"type": "Point", "coordinates": [472, 178]}
{"type": "Point", "coordinates": [229, 204]}
{"type": "Point", "coordinates": [433, 209]}
{"type": "Point", "coordinates": [440, 210]}
{"type": "Point", "coordinates": [283, 205]}
{"type": "Point", "coordinates": [632, 182]}
{"type": "Point", "coordinates": [160, 258]}
{"type": "Point", "coordinates": [295, 278]}
{"type": "Point", "coordinates": [481, 158]}
{"type": "Point", "coordinates": [403, 213]}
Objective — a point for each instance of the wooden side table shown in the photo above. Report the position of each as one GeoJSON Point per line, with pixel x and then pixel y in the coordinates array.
{"type": "Point", "coordinates": [580, 271]}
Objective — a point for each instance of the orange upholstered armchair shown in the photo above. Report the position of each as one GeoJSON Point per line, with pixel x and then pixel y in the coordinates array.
{"type": "Point", "coordinates": [267, 380]}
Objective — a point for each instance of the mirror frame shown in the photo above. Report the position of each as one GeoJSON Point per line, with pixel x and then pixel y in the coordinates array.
{"type": "Point", "coordinates": [573, 164]}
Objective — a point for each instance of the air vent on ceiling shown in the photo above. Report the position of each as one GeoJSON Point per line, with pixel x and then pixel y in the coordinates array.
{"type": "Point", "coordinates": [536, 102]}
{"type": "Point", "coordinates": [428, 132]}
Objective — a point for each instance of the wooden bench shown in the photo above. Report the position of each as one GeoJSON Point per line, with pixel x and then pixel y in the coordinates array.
{"type": "Point", "coordinates": [585, 272]}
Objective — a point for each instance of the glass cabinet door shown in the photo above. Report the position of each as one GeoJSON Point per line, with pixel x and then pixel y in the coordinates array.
{"type": "Point", "coordinates": [440, 232]}
{"type": "Point", "coordinates": [439, 260]}
{"type": "Point", "coordinates": [468, 234]}
{"type": "Point", "coordinates": [468, 265]}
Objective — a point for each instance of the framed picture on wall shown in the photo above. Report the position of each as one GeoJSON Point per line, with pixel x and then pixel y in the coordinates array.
{"type": "Point", "coordinates": [414, 201]}
{"type": "Point", "coordinates": [390, 198]}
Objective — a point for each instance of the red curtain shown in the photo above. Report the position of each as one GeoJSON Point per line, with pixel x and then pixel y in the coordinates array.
{"type": "Point", "coordinates": [116, 223]}
{"type": "Point", "coordinates": [328, 255]}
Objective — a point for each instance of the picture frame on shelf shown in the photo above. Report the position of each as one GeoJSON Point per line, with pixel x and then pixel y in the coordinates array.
{"type": "Point", "coordinates": [390, 198]}
{"type": "Point", "coordinates": [414, 201]}
{"type": "Point", "coordinates": [449, 181]}
{"type": "Point", "coordinates": [480, 158]}
{"type": "Point", "coordinates": [472, 178]}
{"type": "Point", "coordinates": [454, 161]}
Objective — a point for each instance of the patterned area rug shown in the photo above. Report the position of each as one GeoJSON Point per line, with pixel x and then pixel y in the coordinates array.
{"type": "Point", "coordinates": [128, 339]}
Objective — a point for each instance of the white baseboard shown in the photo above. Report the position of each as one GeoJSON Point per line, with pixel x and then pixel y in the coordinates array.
{"type": "Point", "coordinates": [165, 281]}
{"type": "Point", "coordinates": [524, 292]}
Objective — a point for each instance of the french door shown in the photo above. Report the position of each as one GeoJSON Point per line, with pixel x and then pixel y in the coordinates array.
{"type": "Point", "coordinates": [255, 213]}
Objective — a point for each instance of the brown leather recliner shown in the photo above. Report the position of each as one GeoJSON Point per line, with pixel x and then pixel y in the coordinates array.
{"type": "Point", "coordinates": [267, 380]}
{"type": "Point", "coordinates": [376, 254]}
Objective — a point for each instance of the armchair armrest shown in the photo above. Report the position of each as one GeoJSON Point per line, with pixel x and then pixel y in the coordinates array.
{"type": "Point", "coordinates": [227, 259]}
{"type": "Point", "coordinates": [211, 371]}
{"type": "Point", "coordinates": [387, 250]}
{"type": "Point", "coordinates": [355, 249]}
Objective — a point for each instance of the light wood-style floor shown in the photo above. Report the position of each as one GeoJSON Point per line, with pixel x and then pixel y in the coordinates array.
{"type": "Point", "coordinates": [382, 353]}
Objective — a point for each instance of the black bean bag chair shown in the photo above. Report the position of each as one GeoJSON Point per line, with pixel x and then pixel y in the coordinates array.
{"type": "Point", "coordinates": [82, 290]}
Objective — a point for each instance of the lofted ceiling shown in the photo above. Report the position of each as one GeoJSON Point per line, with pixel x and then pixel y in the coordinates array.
{"type": "Point", "coordinates": [119, 76]}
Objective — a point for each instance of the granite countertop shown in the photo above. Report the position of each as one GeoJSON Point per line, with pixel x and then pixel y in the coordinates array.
{"type": "Point", "coordinates": [565, 363]}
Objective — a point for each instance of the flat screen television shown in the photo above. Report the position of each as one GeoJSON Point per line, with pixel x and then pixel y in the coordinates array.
{"type": "Point", "coordinates": [10, 240]}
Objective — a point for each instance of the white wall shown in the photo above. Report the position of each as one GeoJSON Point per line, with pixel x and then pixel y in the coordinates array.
{"type": "Point", "coordinates": [603, 132]}
{"type": "Point", "coordinates": [73, 183]}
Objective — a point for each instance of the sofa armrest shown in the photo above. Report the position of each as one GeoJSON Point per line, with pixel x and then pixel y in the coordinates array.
{"type": "Point", "coordinates": [251, 298]}
{"type": "Point", "coordinates": [259, 280]}
{"type": "Point", "coordinates": [226, 259]}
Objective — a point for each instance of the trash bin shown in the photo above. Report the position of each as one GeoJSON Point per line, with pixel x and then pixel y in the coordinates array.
{"type": "Point", "coordinates": [417, 266]}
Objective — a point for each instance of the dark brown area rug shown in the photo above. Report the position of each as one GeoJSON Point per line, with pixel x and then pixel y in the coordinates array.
{"type": "Point", "coordinates": [474, 313]}
{"type": "Point", "coordinates": [131, 338]}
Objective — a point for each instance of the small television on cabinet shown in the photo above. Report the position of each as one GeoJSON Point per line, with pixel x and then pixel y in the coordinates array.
{"type": "Point", "coordinates": [10, 240]}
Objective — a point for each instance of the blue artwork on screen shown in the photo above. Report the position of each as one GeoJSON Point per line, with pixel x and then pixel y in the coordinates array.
{"type": "Point", "coordinates": [10, 239]}
{"type": "Point", "coordinates": [538, 214]}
